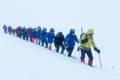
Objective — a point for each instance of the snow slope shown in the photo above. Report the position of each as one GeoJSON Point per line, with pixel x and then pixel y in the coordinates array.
{"type": "Point", "coordinates": [22, 60]}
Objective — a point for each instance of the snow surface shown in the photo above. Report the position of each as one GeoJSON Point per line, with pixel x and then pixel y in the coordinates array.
{"type": "Point", "coordinates": [22, 60]}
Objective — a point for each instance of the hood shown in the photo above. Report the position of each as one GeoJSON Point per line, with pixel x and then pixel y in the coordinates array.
{"type": "Point", "coordinates": [90, 31]}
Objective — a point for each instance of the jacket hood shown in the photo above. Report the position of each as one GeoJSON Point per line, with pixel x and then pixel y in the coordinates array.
{"type": "Point", "coordinates": [90, 31]}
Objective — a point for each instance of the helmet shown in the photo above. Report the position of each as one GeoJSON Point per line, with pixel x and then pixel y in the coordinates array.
{"type": "Point", "coordinates": [90, 31]}
{"type": "Point", "coordinates": [52, 30]}
{"type": "Point", "coordinates": [72, 30]}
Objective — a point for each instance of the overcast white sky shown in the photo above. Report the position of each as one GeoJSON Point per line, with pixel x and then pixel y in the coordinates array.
{"type": "Point", "coordinates": [60, 12]}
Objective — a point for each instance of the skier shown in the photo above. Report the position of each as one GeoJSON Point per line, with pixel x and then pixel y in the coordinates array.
{"type": "Point", "coordinates": [70, 40]}
{"type": "Point", "coordinates": [59, 42]}
{"type": "Point", "coordinates": [51, 36]}
{"type": "Point", "coordinates": [86, 40]}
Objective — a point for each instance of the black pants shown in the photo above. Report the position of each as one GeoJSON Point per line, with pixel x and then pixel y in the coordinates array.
{"type": "Point", "coordinates": [58, 46]}
{"type": "Point", "coordinates": [30, 38]}
{"type": "Point", "coordinates": [45, 41]}
{"type": "Point", "coordinates": [70, 50]}
{"type": "Point", "coordinates": [19, 35]}
{"type": "Point", "coordinates": [25, 38]}
{"type": "Point", "coordinates": [89, 54]}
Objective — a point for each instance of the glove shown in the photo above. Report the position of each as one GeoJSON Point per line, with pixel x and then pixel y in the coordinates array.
{"type": "Point", "coordinates": [78, 48]}
{"type": "Point", "coordinates": [97, 50]}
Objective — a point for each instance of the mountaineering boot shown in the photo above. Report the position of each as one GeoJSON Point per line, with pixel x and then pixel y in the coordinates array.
{"type": "Point", "coordinates": [90, 62]}
{"type": "Point", "coordinates": [82, 61]}
{"type": "Point", "coordinates": [50, 47]}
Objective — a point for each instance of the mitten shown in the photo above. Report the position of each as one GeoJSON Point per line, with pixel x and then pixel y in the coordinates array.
{"type": "Point", "coordinates": [97, 50]}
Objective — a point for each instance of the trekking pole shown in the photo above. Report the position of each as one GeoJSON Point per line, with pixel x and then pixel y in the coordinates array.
{"type": "Point", "coordinates": [100, 61]}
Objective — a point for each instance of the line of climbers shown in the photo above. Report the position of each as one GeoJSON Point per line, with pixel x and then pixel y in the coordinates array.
{"type": "Point", "coordinates": [42, 37]}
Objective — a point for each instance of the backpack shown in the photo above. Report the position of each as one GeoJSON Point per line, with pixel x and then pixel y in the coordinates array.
{"type": "Point", "coordinates": [85, 40]}
{"type": "Point", "coordinates": [82, 35]}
